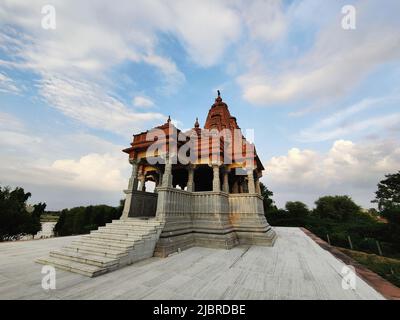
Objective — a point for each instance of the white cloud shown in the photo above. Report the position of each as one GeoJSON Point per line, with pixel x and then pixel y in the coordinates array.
{"type": "Point", "coordinates": [97, 34]}
{"type": "Point", "coordinates": [86, 180]}
{"type": "Point", "coordinates": [93, 171]}
{"type": "Point", "coordinates": [13, 133]}
{"type": "Point", "coordinates": [173, 77]}
{"type": "Point", "coordinates": [8, 121]}
{"type": "Point", "coordinates": [88, 169]}
{"type": "Point", "coordinates": [72, 60]}
{"type": "Point", "coordinates": [347, 168]}
{"type": "Point", "coordinates": [88, 103]}
{"type": "Point", "coordinates": [337, 61]}
{"type": "Point", "coordinates": [92, 37]}
{"type": "Point", "coordinates": [7, 84]}
{"type": "Point", "coordinates": [140, 101]}
{"type": "Point", "coordinates": [206, 28]}
{"type": "Point", "coordinates": [375, 124]}
{"type": "Point", "coordinates": [265, 20]}
{"type": "Point", "coordinates": [350, 121]}
{"type": "Point", "coordinates": [21, 141]}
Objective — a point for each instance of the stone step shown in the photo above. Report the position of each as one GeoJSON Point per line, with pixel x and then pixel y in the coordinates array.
{"type": "Point", "coordinates": [132, 228]}
{"type": "Point", "coordinates": [129, 228]}
{"type": "Point", "coordinates": [117, 236]}
{"type": "Point", "coordinates": [135, 222]}
{"type": "Point", "coordinates": [96, 251]}
{"type": "Point", "coordinates": [93, 260]}
{"type": "Point", "coordinates": [108, 248]}
{"type": "Point", "coordinates": [72, 266]}
{"type": "Point", "coordinates": [125, 232]}
{"type": "Point", "coordinates": [105, 243]}
{"type": "Point", "coordinates": [114, 237]}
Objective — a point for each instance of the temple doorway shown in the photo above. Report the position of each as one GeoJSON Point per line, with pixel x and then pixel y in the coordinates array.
{"type": "Point", "coordinates": [203, 178]}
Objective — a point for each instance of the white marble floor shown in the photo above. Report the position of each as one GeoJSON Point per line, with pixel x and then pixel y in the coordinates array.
{"type": "Point", "coordinates": [295, 268]}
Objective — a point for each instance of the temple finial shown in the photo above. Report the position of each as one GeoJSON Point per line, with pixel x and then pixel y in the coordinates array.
{"type": "Point", "coordinates": [196, 124]}
{"type": "Point", "coordinates": [219, 93]}
{"type": "Point", "coordinates": [169, 119]}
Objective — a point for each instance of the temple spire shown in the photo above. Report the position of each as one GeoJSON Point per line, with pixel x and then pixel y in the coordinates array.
{"type": "Point", "coordinates": [218, 98]}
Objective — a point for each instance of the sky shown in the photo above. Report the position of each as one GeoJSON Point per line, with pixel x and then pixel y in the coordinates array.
{"type": "Point", "coordinates": [323, 100]}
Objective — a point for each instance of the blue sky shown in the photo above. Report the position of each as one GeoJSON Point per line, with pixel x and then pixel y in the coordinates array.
{"type": "Point", "coordinates": [323, 101]}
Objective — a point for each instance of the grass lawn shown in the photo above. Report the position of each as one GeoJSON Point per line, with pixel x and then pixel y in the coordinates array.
{"type": "Point", "coordinates": [387, 268]}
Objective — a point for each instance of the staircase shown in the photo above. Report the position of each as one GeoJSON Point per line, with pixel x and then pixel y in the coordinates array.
{"type": "Point", "coordinates": [113, 246]}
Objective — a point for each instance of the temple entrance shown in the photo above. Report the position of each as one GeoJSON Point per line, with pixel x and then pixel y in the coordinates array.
{"type": "Point", "coordinates": [144, 204]}
{"type": "Point", "coordinates": [179, 178]}
{"type": "Point", "coordinates": [203, 178]}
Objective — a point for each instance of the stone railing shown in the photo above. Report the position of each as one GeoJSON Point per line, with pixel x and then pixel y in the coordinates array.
{"type": "Point", "coordinates": [210, 202]}
{"type": "Point", "coordinates": [173, 201]}
{"type": "Point", "coordinates": [176, 201]}
{"type": "Point", "coordinates": [245, 203]}
{"type": "Point", "coordinates": [181, 202]}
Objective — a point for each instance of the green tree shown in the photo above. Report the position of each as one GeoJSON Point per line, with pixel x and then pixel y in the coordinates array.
{"type": "Point", "coordinates": [392, 214]}
{"type": "Point", "coordinates": [60, 225]}
{"type": "Point", "coordinates": [339, 208]}
{"type": "Point", "coordinates": [269, 203]}
{"type": "Point", "coordinates": [33, 224]}
{"type": "Point", "coordinates": [392, 229]}
{"type": "Point", "coordinates": [15, 220]}
{"type": "Point", "coordinates": [388, 193]}
{"type": "Point", "coordinates": [373, 212]}
{"type": "Point", "coordinates": [297, 209]}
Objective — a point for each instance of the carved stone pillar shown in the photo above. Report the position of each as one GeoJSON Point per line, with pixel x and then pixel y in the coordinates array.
{"type": "Point", "coordinates": [216, 182]}
{"type": "Point", "coordinates": [167, 176]}
{"type": "Point", "coordinates": [225, 185]}
{"type": "Point", "coordinates": [157, 180]}
{"type": "Point", "coordinates": [190, 183]}
{"type": "Point", "coordinates": [160, 178]}
{"type": "Point", "coordinates": [132, 186]}
{"type": "Point", "coordinates": [258, 188]}
{"type": "Point", "coordinates": [235, 187]}
{"type": "Point", "coordinates": [250, 182]}
{"type": "Point", "coordinates": [133, 181]}
{"type": "Point", "coordinates": [241, 183]}
{"type": "Point", "coordinates": [244, 186]}
{"type": "Point", "coordinates": [142, 186]}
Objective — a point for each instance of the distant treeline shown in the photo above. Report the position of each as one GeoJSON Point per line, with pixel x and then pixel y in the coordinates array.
{"type": "Point", "coordinates": [81, 220]}
{"type": "Point", "coordinates": [18, 219]}
{"type": "Point", "coordinates": [339, 218]}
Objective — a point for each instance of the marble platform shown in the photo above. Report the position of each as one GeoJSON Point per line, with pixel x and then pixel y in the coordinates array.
{"type": "Point", "coordinates": [296, 267]}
